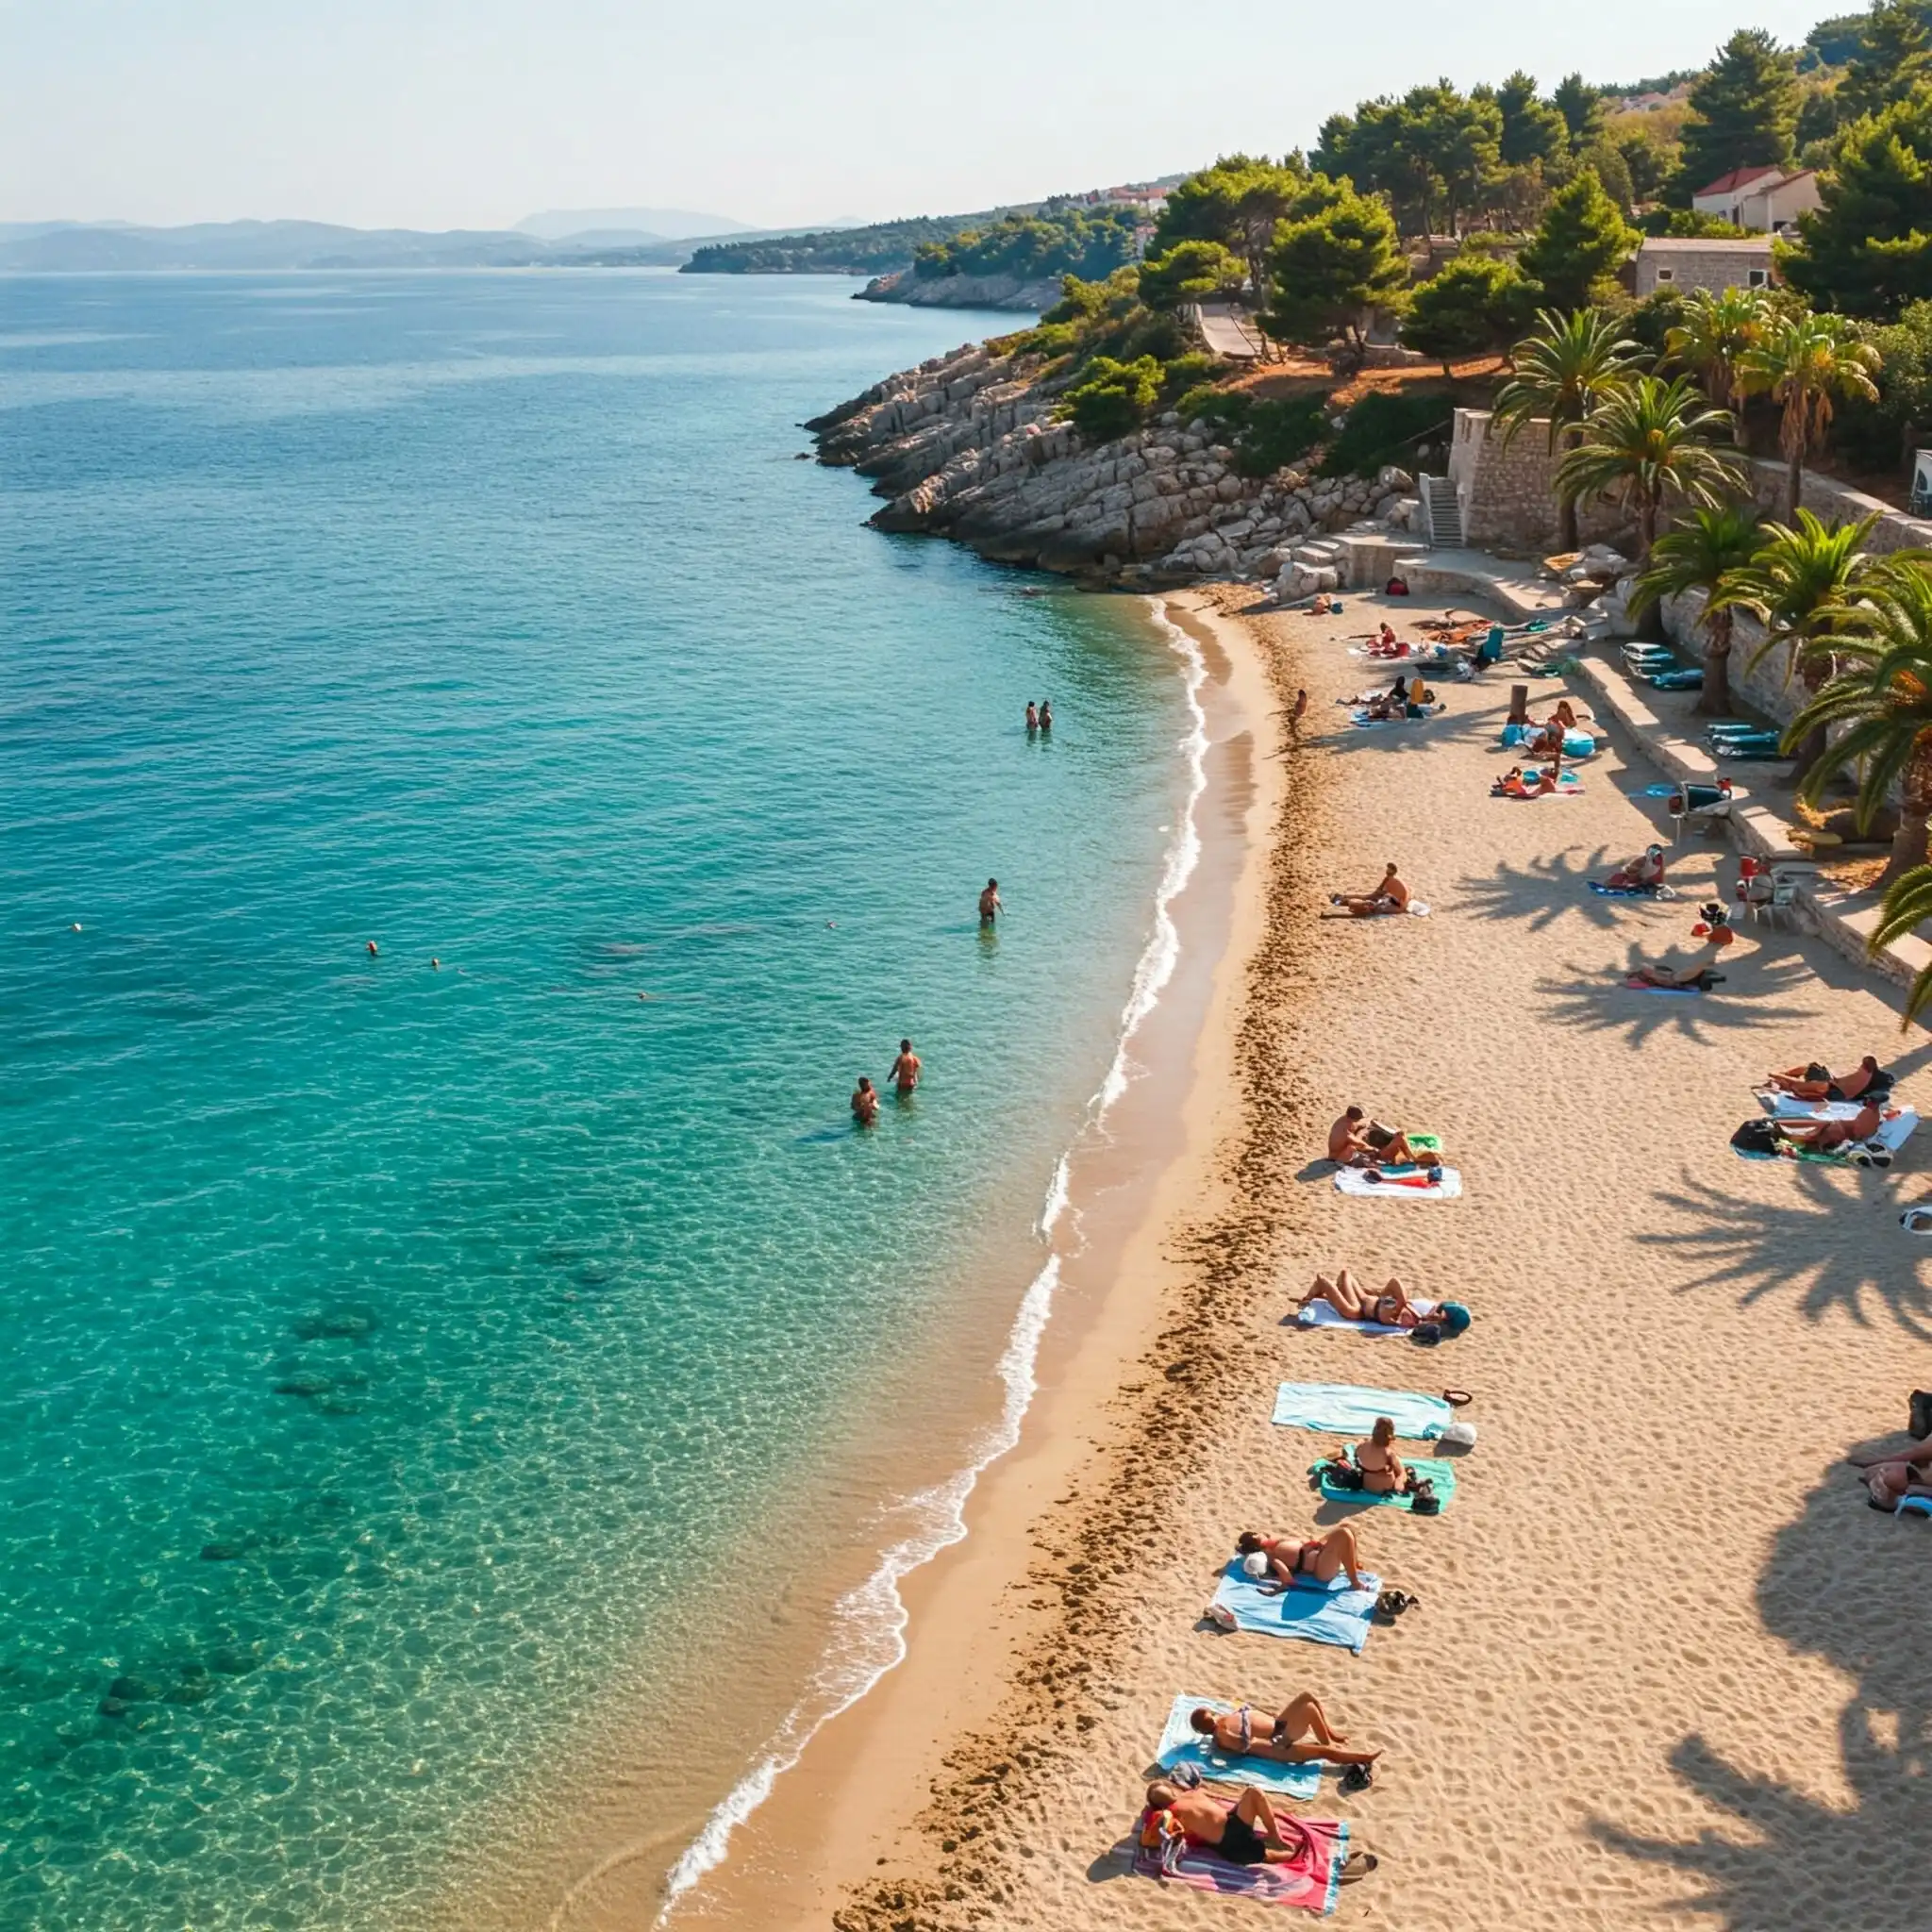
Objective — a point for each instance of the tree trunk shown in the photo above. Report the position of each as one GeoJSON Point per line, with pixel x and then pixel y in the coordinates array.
{"type": "Point", "coordinates": [1795, 483]}
{"type": "Point", "coordinates": [1714, 700]}
{"type": "Point", "coordinates": [1567, 537]}
{"type": "Point", "coordinates": [1908, 845]}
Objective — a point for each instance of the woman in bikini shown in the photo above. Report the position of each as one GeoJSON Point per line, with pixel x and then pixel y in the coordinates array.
{"type": "Point", "coordinates": [1383, 1470]}
{"type": "Point", "coordinates": [1392, 1307]}
{"type": "Point", "coordinates": [1299, 1732]}
{"type": "Point", "coordinates": [1316, 1562]}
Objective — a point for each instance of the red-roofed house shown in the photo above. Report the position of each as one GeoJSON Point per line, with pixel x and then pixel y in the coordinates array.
{"type": "Point", "coordinates": [1763, 201]}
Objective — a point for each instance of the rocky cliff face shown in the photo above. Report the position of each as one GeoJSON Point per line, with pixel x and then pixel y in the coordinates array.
{"type": "Point", "coordinates": [964, 291]}
{"type": "Point", "coordinates": [966, 446]}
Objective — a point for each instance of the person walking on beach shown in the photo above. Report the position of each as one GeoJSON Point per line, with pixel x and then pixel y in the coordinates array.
{"type": "Point", "coordinates": [1297, 712]}
{"type": "Point", "coordinates": [865, 1103]}
{"type": "Point", "coordinates": [1032, 717]}
{"type": "Point", "coordinates": [904, 1074]}
{"type": "Point", "coordinates": [990, 905]}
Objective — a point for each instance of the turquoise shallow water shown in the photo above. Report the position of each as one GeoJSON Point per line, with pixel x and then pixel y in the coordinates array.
{"type": "Point", "coordinates": [388, 1347]}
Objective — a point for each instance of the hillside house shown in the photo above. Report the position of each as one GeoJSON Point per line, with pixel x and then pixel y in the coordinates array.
{"type": "Point", "coordinates": [1670, 261]}
{"type": "Point", "coordinates": [1764, 201]}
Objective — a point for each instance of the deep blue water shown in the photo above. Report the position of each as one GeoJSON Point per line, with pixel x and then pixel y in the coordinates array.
{"type": "Point", "coordinates": [389, 1346]}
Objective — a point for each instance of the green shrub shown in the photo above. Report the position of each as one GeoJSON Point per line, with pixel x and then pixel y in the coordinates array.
{"type": "Point", "coordinates": [1384, 426]}
{"type": "Point", "coordinates": [1689, 224]}
{"type": "Point", "coordinates": [1279, 431]}
{"type": "Point", "coordinates": [1186, 374]}
{"type": "Point", "coordinates": [1223, 408]}
{"type": "Point", "coordinates": [1113, 397]}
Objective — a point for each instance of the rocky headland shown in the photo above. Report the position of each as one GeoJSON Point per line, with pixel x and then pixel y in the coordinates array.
{"type": "Point", "coordinates": [964, 291]}
{"type": "Point", "coordinates": [968, 445]}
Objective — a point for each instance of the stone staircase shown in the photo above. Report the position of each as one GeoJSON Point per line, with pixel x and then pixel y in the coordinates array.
{"type": "Point", "coordinates": [1441, 513]}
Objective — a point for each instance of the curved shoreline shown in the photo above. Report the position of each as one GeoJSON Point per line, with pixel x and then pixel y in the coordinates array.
{"type": "Point", "coordinates": [875, 1616]}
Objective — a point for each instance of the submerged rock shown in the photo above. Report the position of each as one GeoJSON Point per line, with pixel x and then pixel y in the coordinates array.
{"type": "Point", "coordinates": [345, 1321]}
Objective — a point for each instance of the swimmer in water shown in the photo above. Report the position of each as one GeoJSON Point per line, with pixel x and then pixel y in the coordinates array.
{"type": "Point", "coordinates": [436, 965]}
{"type": "Point", "coordinates": [904, 1073]}
{"type": "Point", "coordinates": [372, 949]}
{"type": "Point", "coordinates": [865, 1103]}
{"type": "Point", "coordinates": [1032, 717]}
{"type": "Point", "coordinates": [990, 905]}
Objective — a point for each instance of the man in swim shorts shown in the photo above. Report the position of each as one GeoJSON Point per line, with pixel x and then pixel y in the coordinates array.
{"type": "Point", "coordinates": [1247, 1834]}
{"type": "Point", "coordinates": [990, 905]}
{"type": "Point", "coordinates": [1391, 895]}
{"type": "Point", "coordinates": [904, 1073]}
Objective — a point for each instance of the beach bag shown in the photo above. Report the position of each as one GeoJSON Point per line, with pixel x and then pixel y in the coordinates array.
{"type": "Point", "coordinates": [1459, 1435]}
{"type": "Point", "coordinates": [1423, 1500]}
{"type": "Point", "coordinates": [1396, 586]}
{"type": "Point", "coordinates": [1162, 1834]}
{"type": "Point", "coordinates": [1343, 1475]}
{"type": "Point", "coordinates": [1757, 1138]}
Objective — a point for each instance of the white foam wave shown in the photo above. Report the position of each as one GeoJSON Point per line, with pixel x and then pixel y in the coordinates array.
{"type": "Point", "coordinates": [868, 1635]}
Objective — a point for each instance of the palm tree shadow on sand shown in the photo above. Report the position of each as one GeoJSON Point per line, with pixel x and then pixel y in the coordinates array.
{"type": "Point", "coordinates": [1756, 993]}
{"type": "Point", "coordinates": [1836, 1245]}
{"type": "Point", "coordinates": [1845, 1584]}
{"type": "Point", "coordinates": [1540, 892]}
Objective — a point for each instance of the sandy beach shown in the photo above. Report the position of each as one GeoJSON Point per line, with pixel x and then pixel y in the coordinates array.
{"type": "Point", "coordinates": [1662, 1670]}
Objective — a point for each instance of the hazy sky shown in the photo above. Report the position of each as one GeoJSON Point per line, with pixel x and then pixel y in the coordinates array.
{"type": "Point", "coordinates": [473, 113]}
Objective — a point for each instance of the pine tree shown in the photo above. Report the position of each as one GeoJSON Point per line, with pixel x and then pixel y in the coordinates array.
{"type": "Point", "coordinates": [1329, 270]}
{"type": "Point", "coordinates": [1581, 244]}
{"type": "Point", "coordinates": [1893, 57]}
{"type": "Point", "coordinates": [1581, 107]}
{"type": "Point", "coordinates": [1534, 129]}
{"type": "Point", "coordinates": [1867, 251]}
{"type": "Point", "coordinates": [1744, 110]}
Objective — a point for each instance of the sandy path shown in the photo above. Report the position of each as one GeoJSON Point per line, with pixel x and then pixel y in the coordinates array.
{"type": "Point", "coordinates": [1663, 1658]}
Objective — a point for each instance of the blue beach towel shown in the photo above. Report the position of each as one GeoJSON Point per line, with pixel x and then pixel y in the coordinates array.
{"type": "Point", "coordinates": [1332, 1613]}
{"type": "Point", "coordinates": [1339, 1408]}
{"type": "Point", "coordinates": [1181, 1743]}
{"type": "Point", "coordinates": [1441, 1473]}
{"type": "Point", "coordinates": [1603, 891]}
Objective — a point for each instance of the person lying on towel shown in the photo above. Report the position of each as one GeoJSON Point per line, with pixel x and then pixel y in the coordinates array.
{"type": "Point", "coordinates": [1249, 1831]}
{"type": "Point", "coordinates": [1516, 783]}
{"type": "Point", "coordinates": [1815, 1081]}
{"type": "Point", "coordinates": [1821, 1136]}
{"type": "Point", "coordinates": [1355, 1141]}
{"type": "Point", "coordinates": [1391, 895]}
{"type": "Point", "coordinates": [1299, 1733]}
{"type": "Point", "coordinates": [1645, 874]}
{"type": "Point", "coordinates": [1394, 702]}
{"type": "Point", "coordinates": [1288, 1560]}
{"type": "Point", "coordinates": [1701, 980]}
{"type": "Point", "coordinates": [1888, 1475]}
{"type": "Point", "coordinates": [1392, 1307]}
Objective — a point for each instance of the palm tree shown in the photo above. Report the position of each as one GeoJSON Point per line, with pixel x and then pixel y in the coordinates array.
{"type": "Point", "coordinates": [1805, 362]}
{"type": "Point", "coordinates": [1704, 553]}
{"type": "Point", "coordinates": [1806, 578]}
{"type": "Point", "coordinates": [1907, 906]}
{"type": "Point", "coordinates": [1648, 442]}
{"type": "Point", "coordinates": [1563, 371]}
{"type": "Point", "coordinates": [1883, 695]}
{"type": "Point", "coordinates": [1716, 334]}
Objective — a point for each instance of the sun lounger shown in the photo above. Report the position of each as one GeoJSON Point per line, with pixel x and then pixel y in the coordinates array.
{"type": "Point", "coordinates": [1688, 678]}
{"type": "Point", "coordinates": [1441, 1475]}
{"type": "Point", "coordinates": [1333, 1613]}
{"type": "Point", "coordinates": [1321, 1315]}
{"type": "Point", "coordinates": [1311, 1881]}
{"type": "Point", "coordinates": [1181, 1743]}
{"type": "Point", "coordinates": [1400, 1183]}
{"type": "Point", "coordinates": [1341, 1409]}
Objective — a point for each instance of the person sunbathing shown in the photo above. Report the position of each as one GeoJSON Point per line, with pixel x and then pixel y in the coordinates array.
{"type": "Point", "coordinates": [1420, 699]}
{"type": "Point", "coordinates": [1383, 1470]}
{"type": "Point", "coordinates": [1391, 895]}
{"type": "Point", "coordinates": [1245, 1832]}
{"type": "Point", "coordinates": [1700, 980]}
{"type": "Point", "coordinates": [1517, 783]}
{"type": "Point", "coordinates": [1822, 1137]}
{"type": "Point", "coordinates": [1856, 1081]}
{"type": "Point", "coordinates": [1547, 742]}
{"type": "Point", "coordinates": [1392, 703]}
{"type": "Point", "coordinates": [1888, 1475]}
{"type": "Point", "coordinates": [1355, 1141]}
{"type": "Point", "coordinates": [1299, 1733]}
{"type": "Point", "coordinates": [1392, 1307]}
{"type": "Point", "coordinates": [1316, 1563]}
{"type": "Point", "coordinates": [1565, 716]}
{"type": "Point", "coordinates": [1811, 1081]}
{"type": "Point", "coordinates": [1645, 874]}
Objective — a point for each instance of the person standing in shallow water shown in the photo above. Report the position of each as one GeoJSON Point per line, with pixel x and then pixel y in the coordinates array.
{"type": "Point", "coordinates": [865, 1103]}
{"type": "Point", "coordinates": [990, 903]}
{"type": "Point", "coordinates": [905, 1071]}
{"type": "Point", "coordinates": [1032, 717]}
{"type": "Point", "coordinates": [1046, 714]}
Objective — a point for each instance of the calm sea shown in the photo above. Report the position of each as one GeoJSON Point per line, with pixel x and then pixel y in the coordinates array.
{"type": "Point", "coordinates": [394, 1348]}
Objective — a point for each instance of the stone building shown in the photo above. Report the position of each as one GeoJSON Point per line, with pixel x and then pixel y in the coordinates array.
{"type": "Point", "coordinates": [1666, 261]}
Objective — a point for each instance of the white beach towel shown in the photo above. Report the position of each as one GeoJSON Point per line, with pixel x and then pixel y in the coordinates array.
{"type": "Point", "coordinates": [1354, 1180]}
{"type": "Point", "coordinates": [1788, 1107]}
{"type": "Point", "coordinates": [1321, 1315]}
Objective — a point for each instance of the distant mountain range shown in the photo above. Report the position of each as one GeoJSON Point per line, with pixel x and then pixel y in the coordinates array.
{"type": "Point", "coordinates": [563, 237]}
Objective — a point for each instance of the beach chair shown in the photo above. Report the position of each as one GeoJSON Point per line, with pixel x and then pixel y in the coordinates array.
{"type": "Point", "coordinates": [1705, 806]}
{"type": "Point", "coordinates": [1688, 678]}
